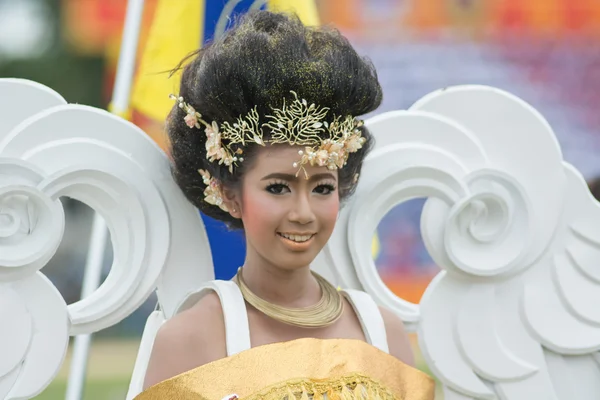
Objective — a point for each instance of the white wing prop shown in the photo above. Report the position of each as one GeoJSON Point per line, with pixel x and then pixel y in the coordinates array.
{"type": "Point", "coordinates": [515, 231]}
{"type": "Point", "coordinates": [513, 315]}
{"type": "Point", "coordinates": [50, 149]}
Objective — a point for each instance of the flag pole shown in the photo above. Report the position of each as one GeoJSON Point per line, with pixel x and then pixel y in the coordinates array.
{"type": "Point", "coordinates": [99, 235]}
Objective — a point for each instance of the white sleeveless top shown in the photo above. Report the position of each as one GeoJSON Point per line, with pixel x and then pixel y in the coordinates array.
{"type": "Point", "coordinates": [237, 331]}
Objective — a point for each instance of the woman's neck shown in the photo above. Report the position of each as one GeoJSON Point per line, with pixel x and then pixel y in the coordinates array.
{"type": "Point", "coordinates": [288, 288]}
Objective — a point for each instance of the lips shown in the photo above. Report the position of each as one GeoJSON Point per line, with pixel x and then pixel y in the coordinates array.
{"type": "Point", "coordinates": [297, 242]}
{"type": "Point", "coordinates": [298, 238]}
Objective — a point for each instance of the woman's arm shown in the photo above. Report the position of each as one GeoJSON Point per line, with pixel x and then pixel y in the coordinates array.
{"type": "Point", "coordinates": [188, 340]}
{"type": "Point", "coordinates": [398, 341]}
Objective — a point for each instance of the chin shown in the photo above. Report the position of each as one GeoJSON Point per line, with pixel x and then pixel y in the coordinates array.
{"type": "Point", "coordinates": [296, 261]}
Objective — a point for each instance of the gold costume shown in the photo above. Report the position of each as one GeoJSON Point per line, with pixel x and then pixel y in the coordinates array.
{"type": "Point", "coordinates": [302, 369]}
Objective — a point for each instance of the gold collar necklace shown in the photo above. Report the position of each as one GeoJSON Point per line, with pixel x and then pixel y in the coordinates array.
{"type": "Point", "coordinates": [324, 313]}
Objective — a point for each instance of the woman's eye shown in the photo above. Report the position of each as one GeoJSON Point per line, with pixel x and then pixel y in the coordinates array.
{"type": "Point", "coordinates": [278, 188]}
{"type": "Point", "coordinates": [324, 189]}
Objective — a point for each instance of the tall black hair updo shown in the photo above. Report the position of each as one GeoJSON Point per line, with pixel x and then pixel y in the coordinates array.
{"type": "Point", "coordinates": [256, 64]}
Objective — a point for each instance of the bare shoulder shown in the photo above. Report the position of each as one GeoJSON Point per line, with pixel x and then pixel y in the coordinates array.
{"type": "Point", "coordinates": [188, 340]}
{"type": "Point", "coordinates": [398, 341]}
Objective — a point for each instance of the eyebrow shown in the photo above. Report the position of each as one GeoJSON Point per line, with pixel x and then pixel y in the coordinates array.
{"type": "Point", "coordinates": [292, 178]}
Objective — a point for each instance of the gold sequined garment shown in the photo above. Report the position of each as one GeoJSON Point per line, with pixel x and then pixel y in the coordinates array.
{"type": "Point", "coordinates": [304, 369]}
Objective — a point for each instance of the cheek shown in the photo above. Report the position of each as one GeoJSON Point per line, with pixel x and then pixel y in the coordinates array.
{"type": "Point", "coordinates": [259, 213]}
{"type": "Point", "coordinates": [328, 212]}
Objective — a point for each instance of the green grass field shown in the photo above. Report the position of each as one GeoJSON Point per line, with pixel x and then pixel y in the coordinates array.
{"type": "Point", "coordinates": [110, 366]}
{"type": "Point", "coordinates": [104, 389]}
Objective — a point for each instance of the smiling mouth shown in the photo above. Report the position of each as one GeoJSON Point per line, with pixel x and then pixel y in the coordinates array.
{"type": "Point", "coordinates": [296, 238]}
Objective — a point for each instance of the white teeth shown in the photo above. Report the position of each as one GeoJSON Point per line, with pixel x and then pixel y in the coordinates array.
{"type": "Point", "coordinates": [296, 238]}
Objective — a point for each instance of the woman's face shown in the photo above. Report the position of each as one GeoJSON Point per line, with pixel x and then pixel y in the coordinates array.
{"type": "Point", "coordinates": [287, 219]}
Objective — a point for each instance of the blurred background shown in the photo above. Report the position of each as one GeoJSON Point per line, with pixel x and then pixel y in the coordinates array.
{"type": "Point", "coordinates": [544, 51]}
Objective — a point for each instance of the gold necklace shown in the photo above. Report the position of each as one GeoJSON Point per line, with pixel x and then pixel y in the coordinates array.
{"type": "Point", "coordinates": [324, 313]}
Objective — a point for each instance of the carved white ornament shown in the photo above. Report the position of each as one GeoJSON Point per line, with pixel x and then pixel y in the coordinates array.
{"type": "Point", "coordinates": [49, 149]}
{"type": "Point", "coordinates": [515, 313]}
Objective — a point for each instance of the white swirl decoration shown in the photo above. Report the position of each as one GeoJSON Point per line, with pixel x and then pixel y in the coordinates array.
{"type": "Point", "coordinates": [521, 182]}
{"type": "Point", "coordinates": [469, 150]}
{"type": "Point", "coordinates": [488, 231]}
{"type": "Point", "coordinates": [31, 223]}
{"type": "Point", "coordinates": [50, 149]}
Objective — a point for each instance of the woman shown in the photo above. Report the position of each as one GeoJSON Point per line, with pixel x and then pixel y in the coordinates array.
{"type": "Point", "coordinates": [264, 136]}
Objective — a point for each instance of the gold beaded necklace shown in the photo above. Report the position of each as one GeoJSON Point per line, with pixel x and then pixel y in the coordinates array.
{"type": "Point", "coordinates": [324, 313]}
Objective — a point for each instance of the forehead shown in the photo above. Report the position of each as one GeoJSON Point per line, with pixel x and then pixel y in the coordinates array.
{"type": "Point", "coordinates": [280, 158]}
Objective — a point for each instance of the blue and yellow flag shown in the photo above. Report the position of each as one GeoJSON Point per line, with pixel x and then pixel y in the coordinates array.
{"type": "Point", "coordinates": [182, 26]}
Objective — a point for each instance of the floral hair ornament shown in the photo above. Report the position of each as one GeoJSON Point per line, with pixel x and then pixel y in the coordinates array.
{"type": "Point", "coordinates": [212, 194]}
{"type": "Point", "coordinates": [295, 124]}
{"type": "Point", "coordinates": [244, 130]}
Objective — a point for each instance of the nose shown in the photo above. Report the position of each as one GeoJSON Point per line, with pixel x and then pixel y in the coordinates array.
{"type": "Point", "coordinates": [302, 212]}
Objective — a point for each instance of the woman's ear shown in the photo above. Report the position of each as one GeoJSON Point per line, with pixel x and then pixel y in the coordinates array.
{"type": "Point", "coordinates": [231, 198]}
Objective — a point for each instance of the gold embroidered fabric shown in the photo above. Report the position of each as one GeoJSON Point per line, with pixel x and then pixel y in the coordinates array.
{"type": "Point", "coordinates": [303, 369]}
{"type": "Point", "coordinates": [351, 387]}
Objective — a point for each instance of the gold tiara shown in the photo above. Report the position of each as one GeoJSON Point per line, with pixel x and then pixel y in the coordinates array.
{"type": "Point", "coordinates": [296, 124]}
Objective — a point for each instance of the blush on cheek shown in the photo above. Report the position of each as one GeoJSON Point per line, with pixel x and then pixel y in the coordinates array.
{"type": "Point", "coordinates": [328, 210]}
{"type": "Point", "coordinates": [255, 215]}
{"type": "Point", "coordinates": [333, 206]}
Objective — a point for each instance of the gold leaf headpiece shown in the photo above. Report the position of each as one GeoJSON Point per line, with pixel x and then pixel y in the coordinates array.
{"type": "Point", "coordinates": [296, 124]}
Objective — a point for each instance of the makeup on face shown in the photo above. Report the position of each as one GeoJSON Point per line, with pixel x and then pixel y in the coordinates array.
{"type": "Point", "coordinates": [288, 218]}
